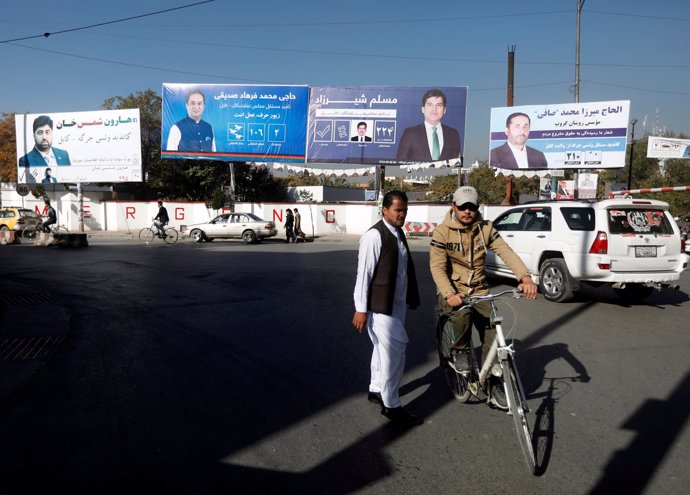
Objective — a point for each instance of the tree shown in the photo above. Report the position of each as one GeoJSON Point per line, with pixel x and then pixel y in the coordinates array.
{"type": "Point", "coordinates": [8, 149]}
{"type": "Point", "coordinates": [190, 180]}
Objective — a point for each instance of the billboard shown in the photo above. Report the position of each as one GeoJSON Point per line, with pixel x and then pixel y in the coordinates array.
{"type": "Point", "coordinates": [234, 122]}
{"type": "Point", "coordinates": [97, 146]}
{"type": "Point", "coordinates": [569, 135]}
{"type": "Point", "coordinates": [386, 125]}
{"type": "Point", "coordinates": [660, 147]}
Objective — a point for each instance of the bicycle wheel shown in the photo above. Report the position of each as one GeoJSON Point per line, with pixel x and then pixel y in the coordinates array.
{"type": "Point", "coordinates": [457, 383]}
{"type": "Point", "coordinates": [518, 409]}
{"type": "Point", "coordinates": [147, 235]}
{"type": "Point", "coordinates": [29, 233]}
{"type": "Point", "coordinates": [170, 236]}
{"type": "Point", "coordinates": [60, 230]}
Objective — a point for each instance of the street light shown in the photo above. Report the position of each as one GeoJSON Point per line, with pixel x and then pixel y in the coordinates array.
{"type": "Point", "coordinates": [632, 151]}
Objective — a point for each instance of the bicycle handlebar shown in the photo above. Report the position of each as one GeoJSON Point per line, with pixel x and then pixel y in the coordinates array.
{"type": "Point", "coordinates": [472, 300]}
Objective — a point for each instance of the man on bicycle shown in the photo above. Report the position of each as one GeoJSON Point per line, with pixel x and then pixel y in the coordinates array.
{"type": "Point", "coordinates": [161, 220]}
{"type": "Point", "coordinates": [52, 217]}
{"type": "Point", "coordinates": [456, 259]}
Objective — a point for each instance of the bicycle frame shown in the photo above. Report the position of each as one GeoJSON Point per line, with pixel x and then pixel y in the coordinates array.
{"type": "Point", "coordinates": [515, 393]}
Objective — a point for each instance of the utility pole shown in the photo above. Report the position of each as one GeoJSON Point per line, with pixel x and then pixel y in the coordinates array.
{"type": "Point", "coordinates": [507, 199]}
{"type": "Point", "coordinates": [632, 152]}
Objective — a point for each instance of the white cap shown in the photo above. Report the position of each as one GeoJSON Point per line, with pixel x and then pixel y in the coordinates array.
{"type": "Point", "coordinates": [465, 194]}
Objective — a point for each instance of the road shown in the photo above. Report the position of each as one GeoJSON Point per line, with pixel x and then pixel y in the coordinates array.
{"type": "Point", "coordinates": [226, 368]}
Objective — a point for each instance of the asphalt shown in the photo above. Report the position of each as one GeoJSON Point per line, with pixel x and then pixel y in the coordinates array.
{"type": "Point", "coordinates": [25, 348]}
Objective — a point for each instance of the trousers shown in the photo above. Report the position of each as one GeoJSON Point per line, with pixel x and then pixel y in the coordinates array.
{"type": "Point", "coordinates": [464, 318]}
{"type": "Point", "coordinates": [388, 335]}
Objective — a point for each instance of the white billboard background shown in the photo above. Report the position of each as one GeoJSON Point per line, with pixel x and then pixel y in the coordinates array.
{"type": "Point", "coordinates": [660, 147]}
{"type": "Point", "coordinates": [103, 146]}
{"type": "Point", "coordinates": [572, 135]}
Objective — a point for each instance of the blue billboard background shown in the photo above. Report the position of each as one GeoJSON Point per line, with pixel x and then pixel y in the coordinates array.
{"type": "Point", "coordinates": [249, 122]}
{"type": "Point", "coordinates": [387, 112]}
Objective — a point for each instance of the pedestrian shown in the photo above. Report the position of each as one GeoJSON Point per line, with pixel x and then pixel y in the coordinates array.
{"type": "Point", "coordinates": [289, 224]}
{"type": "Point", "coordinates": [299, 235]}
{"type": "Point", "coordinates": [386, 284]}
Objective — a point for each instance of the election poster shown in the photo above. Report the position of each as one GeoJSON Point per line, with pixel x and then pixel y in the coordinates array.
{"type": "Point", "coordinates": [568, 135]}
{"type": "Point", "coordinates": [661, 147]}
{"type": "Point", "coordinates": [386, 125]}
{"type": "Point", "coordinates": [234, 122]}
{"type": "Point", "coordinates": [76, 147]}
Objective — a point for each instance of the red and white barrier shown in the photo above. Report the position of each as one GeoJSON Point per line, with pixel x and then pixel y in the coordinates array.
{"type": "Point", "coordinates": [613, 194]}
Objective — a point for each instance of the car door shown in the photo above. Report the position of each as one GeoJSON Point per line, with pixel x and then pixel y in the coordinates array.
{"type": "Point", "coordinates": [236, 225]}
{"type": "Point", "coordinates": [508, 224]}
{"type": "Point", "coordinates": [218, 227]}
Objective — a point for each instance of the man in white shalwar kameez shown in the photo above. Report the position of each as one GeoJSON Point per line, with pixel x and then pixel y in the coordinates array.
{"type": "Point", "coordinates": [386, 285]}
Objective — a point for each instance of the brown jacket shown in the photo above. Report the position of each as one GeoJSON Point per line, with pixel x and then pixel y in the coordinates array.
{"type": "Point", "coordinates": [457, 256]}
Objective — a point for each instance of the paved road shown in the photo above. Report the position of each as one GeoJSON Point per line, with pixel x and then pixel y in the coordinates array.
{"type": "Point", "coordinates": [225, 368]}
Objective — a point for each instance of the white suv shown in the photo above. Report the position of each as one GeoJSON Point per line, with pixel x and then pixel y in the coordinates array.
{"type": "Point", "coordinates": [632, 244]}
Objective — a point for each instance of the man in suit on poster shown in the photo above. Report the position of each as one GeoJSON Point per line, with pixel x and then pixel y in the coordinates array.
{"type": "Point", "coordinates": [44, 154]}
{"type": "Point", "coordinates": [430, 141]}
{"type": "Point", "coordinates": [361, 133]}
{"type": "Point", "coordinates": [514, 153]}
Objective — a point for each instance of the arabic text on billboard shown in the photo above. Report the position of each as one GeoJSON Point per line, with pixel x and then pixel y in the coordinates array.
{"type": "Point", "coordinates": [98, 146]}
{"type": "Point", "coordinates": [571, 135]}
{"type": "Point", "coordinates": [234, 122]}
{"type": "Point", "coordinates": [386, 125]}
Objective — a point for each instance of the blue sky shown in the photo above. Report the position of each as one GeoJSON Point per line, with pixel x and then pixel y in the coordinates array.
{"type": "Point", "coordinates": [630, 50]}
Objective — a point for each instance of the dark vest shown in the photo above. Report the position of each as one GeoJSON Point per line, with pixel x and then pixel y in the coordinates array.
{"type": "Point", "coordinates": [195, 137]}
{"type": "Point", "coordinates": [382, 287]}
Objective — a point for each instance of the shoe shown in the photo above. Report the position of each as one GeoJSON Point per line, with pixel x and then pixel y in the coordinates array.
{"type": "Point", "coordinates": [375, 397]}
{"type": "Point", "coordinates": [462, 362]}
{"type": "Point", "coordinates": [400, 416]}
{"type": "Point", "coordinates": [498, 393]}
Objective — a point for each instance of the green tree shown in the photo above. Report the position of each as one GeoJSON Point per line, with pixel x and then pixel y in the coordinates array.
{"type": "Point", "coordinates": [192, 180]}
{"type": "Point", "coordinates": [442, 187]}
{"type": "Point", "coordinates": [149, 104]}
{"type": "Point", "coordinates": [8, 149]}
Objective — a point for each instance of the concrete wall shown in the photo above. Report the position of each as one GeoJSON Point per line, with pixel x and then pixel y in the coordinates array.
{"type": "Point", "coordinates": [318, 218]}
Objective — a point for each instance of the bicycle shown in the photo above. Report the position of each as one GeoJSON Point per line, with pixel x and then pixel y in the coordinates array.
{"type": "Point", "coordinates": [148, 234]}
{"type": "Point", "coordinates": [29, 233]}
{"type": "Point", "coordinates": [476, 381]}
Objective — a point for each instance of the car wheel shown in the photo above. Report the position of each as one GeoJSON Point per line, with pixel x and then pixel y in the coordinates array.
{"type": "Point", "coordinates": [197, 235]}
{"type": "Point", "coordinates": [554, 280]}
{"type": "Point", "coordinates": [4, 228]}
{"type": "Point", "coordinates": [634, 292]}
{"type": "Point", "coordinates": [248, 236]}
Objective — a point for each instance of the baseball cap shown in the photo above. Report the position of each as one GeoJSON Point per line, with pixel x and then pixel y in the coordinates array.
{"type": "Point", "coordinates": [465, 194]}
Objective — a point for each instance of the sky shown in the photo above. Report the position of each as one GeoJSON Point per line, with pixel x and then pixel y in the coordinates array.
{"type": "Point", "coordinates": [629, 50]}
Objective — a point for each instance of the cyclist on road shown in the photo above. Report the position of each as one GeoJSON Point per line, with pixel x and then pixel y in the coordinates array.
{"type": "Point", "coordinates": [52, 217]}
{"type": "Point", "coordinates": [456, 260]}
{"type": "Point", "coordinates": [161, 220]}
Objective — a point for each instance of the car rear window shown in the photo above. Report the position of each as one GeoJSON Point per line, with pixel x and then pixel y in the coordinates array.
{"type": "Point", "coordinates": [579, 218]}
{"type": "Point", "coordinates": [638, 221]}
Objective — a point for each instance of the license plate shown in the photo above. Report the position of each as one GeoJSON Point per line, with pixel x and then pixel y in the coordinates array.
{"type": "Point", "coordinates": [645, 251]}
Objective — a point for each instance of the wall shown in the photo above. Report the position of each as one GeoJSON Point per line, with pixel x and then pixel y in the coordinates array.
{"type": "Point", "coordinates": [130, 216]}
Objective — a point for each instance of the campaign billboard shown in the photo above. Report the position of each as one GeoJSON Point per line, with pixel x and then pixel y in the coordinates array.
{"type": "Point", "coordinates": [662, 147]}
{"type": "Point", "coordinates": [386, 125]}
{"type": "Point", "coordinates": [234, 122]}
{"type": "Point", "coordinates": [95, 146]}
{"type": "Point", "coordinates": [567, 135]}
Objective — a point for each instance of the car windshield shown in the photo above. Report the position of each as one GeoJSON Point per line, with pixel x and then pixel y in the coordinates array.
{"type": "Point", "coordinates": [638, 221]}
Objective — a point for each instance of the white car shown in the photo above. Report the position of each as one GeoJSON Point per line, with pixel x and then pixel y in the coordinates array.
{"type": "Point", "coordinates": [633, 244]}
{"type": "Point", "coordinates": [245, 226]}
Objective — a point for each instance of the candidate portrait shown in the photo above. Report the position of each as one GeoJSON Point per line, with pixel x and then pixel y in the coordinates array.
{"type": "Point", "coordinates": [430, 141]}
{"type": "Point", "coordinates": [43, 153]}
{"type": "Point", "coordinates": [361, 135]}
{"type": "Point", "coordinates": [192, 133]}
{"type": "Point", "coordinates": [515, 153]}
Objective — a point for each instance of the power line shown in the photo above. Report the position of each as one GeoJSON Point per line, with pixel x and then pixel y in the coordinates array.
{"type": "Point", "coordinates": [45, 35]}
{"type": "Point", "coordinates": [639, 89]}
